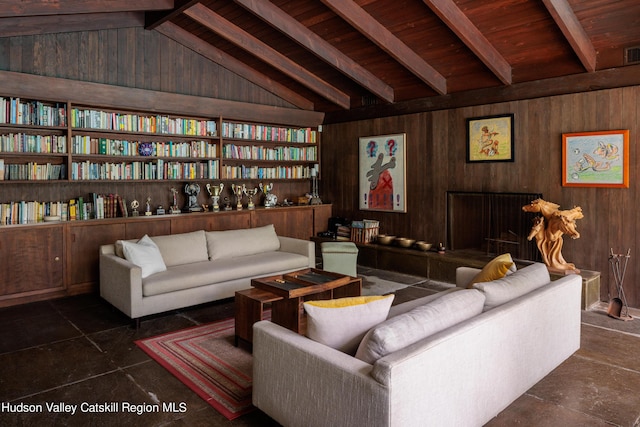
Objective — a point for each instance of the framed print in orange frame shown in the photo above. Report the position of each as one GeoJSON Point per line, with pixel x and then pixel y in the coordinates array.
{"type": "Point", "coordinates": [596, 159]}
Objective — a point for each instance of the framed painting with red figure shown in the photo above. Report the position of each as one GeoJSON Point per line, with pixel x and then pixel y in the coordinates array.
{"type": "Point", "coordinates": [490, 139]}
{"type": "Point", "coordinates": [596, 159]}
{"type": "Point", "coordinates": [382, 173]}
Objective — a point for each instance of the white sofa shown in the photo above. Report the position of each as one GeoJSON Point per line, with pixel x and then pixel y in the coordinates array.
{"type": "Point", "coordinates": [461, 376]}
{"type": "Point", "coordinates": [201, 266]}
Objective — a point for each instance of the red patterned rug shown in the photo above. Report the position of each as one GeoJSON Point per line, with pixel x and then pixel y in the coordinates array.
{"type": "Point", "coordinates": [205, 360]}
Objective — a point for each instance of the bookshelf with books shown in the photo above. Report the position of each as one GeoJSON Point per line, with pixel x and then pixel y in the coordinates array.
{"type": "Point", "coordinates": [33, 140]}
{"type": "Point", "coordinates": [117, 145]}
{"type": "Point", "coordinates": [268, 152]}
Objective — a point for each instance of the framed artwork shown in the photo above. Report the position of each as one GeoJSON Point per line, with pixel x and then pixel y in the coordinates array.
{"type": "Point", "coordinates": [596, 159]}
{"type": "Point", "coordinates": [382, 178]}
{"type": "Point", "coordinates": [490, 139]}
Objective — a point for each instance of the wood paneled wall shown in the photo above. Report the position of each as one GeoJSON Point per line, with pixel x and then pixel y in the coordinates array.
{"type": "Point", "coordinates": [436, 164]}
{"type": "Point", "coordinates": [130, 57]}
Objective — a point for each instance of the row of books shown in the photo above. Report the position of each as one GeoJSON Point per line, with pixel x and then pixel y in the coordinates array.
{"type": "Point", "coordinates": [96, 119]}
{"type": "Point", "coordinates": [157, 170]}
{"type": "Point", "coordinates": [244, 152]}
{"type": "Point", "coordinates": [85, 144]}
{"type": "Point", "coordinates": [31, 171]}
{"type": "Point", "coordinates": [27, 143]}
{"type": "Point", "coordinates": [268, 133]}
{"type": "Point", "coordinates": [35, 113]}
{"type": "Point", "coordinates": [255, 172]}
{"type": "Point", "coordinates": [32, 212]}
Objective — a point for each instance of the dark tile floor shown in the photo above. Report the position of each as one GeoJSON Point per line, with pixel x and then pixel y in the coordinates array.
{"type": "Point", "coordinates": [79, 350]}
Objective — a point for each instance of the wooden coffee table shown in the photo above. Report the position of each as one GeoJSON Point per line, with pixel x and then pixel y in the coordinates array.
{"type": "Point", "coordinates": [287, 293]}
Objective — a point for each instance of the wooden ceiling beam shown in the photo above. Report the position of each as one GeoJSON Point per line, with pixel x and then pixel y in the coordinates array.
{"type": "Point", "coordinates": [566, 19]}
{"type": "Point", "coordinates": [12, 8]}
{"type": "Point", "coordinates": [154, 19]}
{"type": "Point", "coordinates": [32, 25]}
{"type": "Point", "coordinates": [381, 36]}
{"type": "Point", "coordinates": [284, 23]}
{"type": "Point", "coordinates": [471, 36]}
{"type": "Point", "coordinates": [214, 54]}
{"type": "Point", "coordinates": [251, 44]}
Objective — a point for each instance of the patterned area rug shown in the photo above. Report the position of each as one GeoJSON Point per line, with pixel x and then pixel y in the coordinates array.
{"type": "Point", "coordinates": [205, 360]}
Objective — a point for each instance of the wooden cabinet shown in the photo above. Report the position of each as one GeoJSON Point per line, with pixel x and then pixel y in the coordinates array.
{"type": "Point", "coordinates": [32, 263]}
{"type": "Point", "coordinates": [82, 260]}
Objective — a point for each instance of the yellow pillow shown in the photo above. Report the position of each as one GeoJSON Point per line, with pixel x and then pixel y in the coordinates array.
{"type": "Point", "coordinates": [345, 302]}
{"type": "Point", "coordinates": [496, 269]}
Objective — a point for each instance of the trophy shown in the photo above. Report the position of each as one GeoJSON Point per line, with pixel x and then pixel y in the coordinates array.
{"type": "Point", "coordinates": [174, 207]}
{"type": "Point", "coordinates": [238, 191]}
{"type": "Point", "coordinates": [270, 199]}
{"type": "Point", "coordinates": [192, 191]}
{"type": "Point", "coordinates": [134, 207]}
{"type": "Point", "coordinates": [227, 204]}
{"type": "Point", "coordinates": [251, 194]}
{"type": "Point", "coordinates": [147, 210]}
{"type": "Point", "coordinates": [215, 191]}
{"type": "Point", "coordinates": [315, 197]}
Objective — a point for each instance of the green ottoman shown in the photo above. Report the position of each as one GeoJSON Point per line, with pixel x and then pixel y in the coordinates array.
{"type": "Point", "coordinates": [340, 257]}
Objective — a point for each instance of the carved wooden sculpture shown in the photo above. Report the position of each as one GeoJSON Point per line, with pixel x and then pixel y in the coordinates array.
{"type": "Point", "coordinates": [549, 228]}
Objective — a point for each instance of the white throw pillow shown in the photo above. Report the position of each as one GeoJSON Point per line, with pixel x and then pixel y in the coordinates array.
{"type": "Point", "coordinates": [523, 281]}
{"type": "Point", "coordinates": [341, 323]}
{"type": "Point", "coordinates": [145, 254]}
{"type": "Point", "coordinates": [405, 329]}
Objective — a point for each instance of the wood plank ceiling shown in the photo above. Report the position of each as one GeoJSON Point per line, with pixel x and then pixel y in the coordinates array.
{"type": "Point", "coordinates": [339, 55]}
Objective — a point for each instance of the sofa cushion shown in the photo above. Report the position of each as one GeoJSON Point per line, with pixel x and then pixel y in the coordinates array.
{"type": "Point", "coordinates": [411, 304]}
{"type": "Point", "coordinates": [183, 248]}
{"type": "Point", "coordinates": [204, 273]}
{"type": "Point", "coordinates": [341, 323]}
{"type": "Point", "coordinates": [407, 328]}
{"type": "Point", "coordinates": [523, 281]}
{"type": "Point", "coordinates": [234, 243]}
{"type": "Point", "coordinates": [495, 269]}
{"type": "Point", "coordinates": [145, 254]}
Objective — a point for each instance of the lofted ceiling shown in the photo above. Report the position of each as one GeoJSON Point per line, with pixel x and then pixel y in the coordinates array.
{"type": "Point", "coordinates": [339, 55]}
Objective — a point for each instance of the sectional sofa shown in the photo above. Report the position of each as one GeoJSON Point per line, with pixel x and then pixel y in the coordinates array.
{"type": "Point", "coordinates": [161, 273]}
{"type": "Point", "coordinates": [518, 329]}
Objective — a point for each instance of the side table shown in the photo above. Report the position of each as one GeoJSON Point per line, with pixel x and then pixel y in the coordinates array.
{"type": "Point", "coordinates": [249, 310]}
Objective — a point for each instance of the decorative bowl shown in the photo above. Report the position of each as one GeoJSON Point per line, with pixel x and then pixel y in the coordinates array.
{"type": "Point", "coordinates": [405, 242]}
{"type": "Point", "coordinates": [384, 239]}
{"type": "Point", "coordinates": [423, 246]}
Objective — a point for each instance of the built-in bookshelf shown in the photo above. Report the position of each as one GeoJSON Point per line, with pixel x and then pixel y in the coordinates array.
{"type": "Point", "coordinates": [59, 142]}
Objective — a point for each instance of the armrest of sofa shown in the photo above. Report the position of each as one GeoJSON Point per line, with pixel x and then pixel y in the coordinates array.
{"type": "Point", "coordinates": [120, 282]}
{"type": "Point", "coordinates": [298, 246]}
{"type": "Point", "coordinates": [464, 275]}
{"type": "Point", "coordinates": [292, 374]}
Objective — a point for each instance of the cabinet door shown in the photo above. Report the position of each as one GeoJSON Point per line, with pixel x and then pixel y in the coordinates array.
{"type": "Point", "coordinates": [288, 222]}
{"type": "Point", "coordinates": [32, 262]}
{"type": "Point", "coordinates": [321, 215]}
{"type": "Point", "coordinates": [83, 249]}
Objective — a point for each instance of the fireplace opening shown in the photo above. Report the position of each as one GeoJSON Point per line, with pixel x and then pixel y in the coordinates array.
{"type": "Point", "coordinates": [491, 222]}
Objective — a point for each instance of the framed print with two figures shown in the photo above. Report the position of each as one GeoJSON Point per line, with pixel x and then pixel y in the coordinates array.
{"type": "Point", "coordinates": [382, 173]}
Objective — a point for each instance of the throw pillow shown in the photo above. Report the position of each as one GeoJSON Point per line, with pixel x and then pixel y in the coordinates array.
{"type": "Point", "coordinates": [405, 329]}
{"type": "Point", "coordinates": [497, 268]}
{"type": "Point", "coordinates": [521, 282]}
{"type": "Point", "coordinates": [242, 242]}
{"type": "Point", "coordinates": [341, 323]}
{"type": "Point", "coordinates": [145, 254]}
